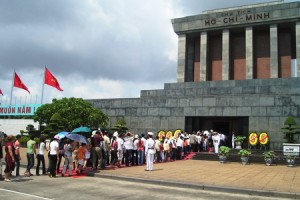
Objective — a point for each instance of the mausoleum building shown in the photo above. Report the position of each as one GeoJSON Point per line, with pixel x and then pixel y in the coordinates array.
{"type": "Point", "coordinates": [238, 70]}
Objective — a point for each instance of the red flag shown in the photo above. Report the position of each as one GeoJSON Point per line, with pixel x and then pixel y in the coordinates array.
{"type": "Point", "coordinates": [51, 80]}
{"type": "Point", "coordinates": [1, 92]}
{"type": "Point", "coordinates": [18, 83]}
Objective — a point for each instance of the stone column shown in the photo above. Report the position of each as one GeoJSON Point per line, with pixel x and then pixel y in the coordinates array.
{"type": "Point", "coordinates": [298, 47]}
{"type": "Point", "coordinates": [273, 51]}
{"type": "Point", "coordinates": [249, 53]}
{"type": "Point", "coordinates": [225, 55]}
{"type": "Point", "coordinates": [181, 58]}
{"type": "Point", "coordinates": [203, 54]}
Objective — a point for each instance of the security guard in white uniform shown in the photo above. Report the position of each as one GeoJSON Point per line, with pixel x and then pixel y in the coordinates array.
{"type": "Point", "coordinates": [216, 141]}
{"type": "Point", "coordinates": [149, 151]}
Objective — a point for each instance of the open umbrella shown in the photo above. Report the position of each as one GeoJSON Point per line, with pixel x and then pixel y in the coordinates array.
{"type": "Point", "coordinates": [61, 135]}
{"type": "Point", "coordinates": [77, 137]}
{"type": "Point", "coordinates": [82, 129]}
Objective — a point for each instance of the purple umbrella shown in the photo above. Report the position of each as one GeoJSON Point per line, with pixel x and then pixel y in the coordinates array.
{"type": "Point", "coordinates": [77, 137]}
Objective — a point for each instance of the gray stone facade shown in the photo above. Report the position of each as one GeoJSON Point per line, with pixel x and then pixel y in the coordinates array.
{"type": "Point", "coordinates": [264, 102]}
{"type": "Point", "coordinates": [243, 106]}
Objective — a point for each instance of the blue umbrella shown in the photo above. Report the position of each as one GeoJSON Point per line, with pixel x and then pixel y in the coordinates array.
{"type": "Point", "coordinates": [77, 137]}
{"type": "Point", "coordinates": [82, 129]}
{"type": "Point", "coordinates": [61, 135]}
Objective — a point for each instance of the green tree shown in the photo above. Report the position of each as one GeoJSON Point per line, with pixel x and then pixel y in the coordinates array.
{"type": "Point", "coordinates": [55, 125]}
{"type": "Point", "coordinates": [30, 130]}
{"type": "Point", "coordinates": [120, 126]}
{"type": "Point", "coordinates": [74, 112]}
{"type": "Point", "coordinates": [290, 128]}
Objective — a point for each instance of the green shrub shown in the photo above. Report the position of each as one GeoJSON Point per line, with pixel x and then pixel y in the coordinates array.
{"type": "Point", "coordinates": [224, 151]}
{"type": "Point", "coordinates": [244, 153]}
{"type": "Point", "coordinates": [23, 140]}
{"type": "Point", "coordinates": [269, 154]}
{"type": "Point", "coordinates": [239, 138]}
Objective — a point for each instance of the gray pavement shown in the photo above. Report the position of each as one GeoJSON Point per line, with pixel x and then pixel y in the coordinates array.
{"type": "Point", "coordinates": [64, 188]}
{"type": "Point", "coordinates": [252, 179]}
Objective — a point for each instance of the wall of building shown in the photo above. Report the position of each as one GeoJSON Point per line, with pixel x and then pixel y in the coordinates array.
{"type": "Point", "coordinates": [266, 102]}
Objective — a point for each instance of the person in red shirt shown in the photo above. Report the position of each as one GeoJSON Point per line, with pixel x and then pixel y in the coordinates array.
{"type": "Point", "coordinates": [9, 157]}
{"type": "Point", "coordinates": [97, 140]}
{"type": "Point", "coordinates": [17, 154]}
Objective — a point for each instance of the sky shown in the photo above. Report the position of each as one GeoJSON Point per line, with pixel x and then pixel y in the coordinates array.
{"type": "Point", "coordinates": [96, 49]}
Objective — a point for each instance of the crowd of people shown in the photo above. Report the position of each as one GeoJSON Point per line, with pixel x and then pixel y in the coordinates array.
{"type": "Point", "coordinates": [118, 150]}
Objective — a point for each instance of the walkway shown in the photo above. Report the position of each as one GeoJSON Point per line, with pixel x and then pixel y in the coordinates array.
{"type": "Point", "coordinates": [280, 180]}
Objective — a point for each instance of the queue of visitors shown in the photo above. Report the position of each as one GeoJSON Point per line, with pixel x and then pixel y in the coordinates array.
{"type": "Point", "coordinates": [122, 149]}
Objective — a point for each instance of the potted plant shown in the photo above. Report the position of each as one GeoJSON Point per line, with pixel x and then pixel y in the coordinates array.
{"type": "Point", "coordinates": [223, 153]}
{"type": "Point", "coordinates": [269, 157]}
{"type": "Point", "coordinates": [238, 141]}
{"type": "Point", "coordinates": [290, 160]}
{"type": "Point", "coordinates": [244, 153]}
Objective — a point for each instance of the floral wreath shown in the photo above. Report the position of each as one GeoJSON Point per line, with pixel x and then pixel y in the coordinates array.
{"type": "Point", "coordinates": [263, 138]}
{"type": "Point", "coordinates": [161, 134]}
{"type": "Point", "coordinates": [169, 134]}
{"type": "Point", "coordinates": [253, 138]}
{"type": "Point", "coordinates": [176, 132]}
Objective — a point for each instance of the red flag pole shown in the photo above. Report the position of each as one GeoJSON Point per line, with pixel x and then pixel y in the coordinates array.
{"type": "Point", "coordinates": [43, 85]}
{"type": "Point", "coordinates": [12, 87]}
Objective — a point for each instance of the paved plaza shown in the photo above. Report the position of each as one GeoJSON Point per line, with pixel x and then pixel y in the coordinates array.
{"type": "Point", "coordinates": [256, 179]}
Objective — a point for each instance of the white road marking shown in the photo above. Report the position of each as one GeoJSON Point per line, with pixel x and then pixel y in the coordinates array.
{"type": "Point", "coordinates": [25, 194]}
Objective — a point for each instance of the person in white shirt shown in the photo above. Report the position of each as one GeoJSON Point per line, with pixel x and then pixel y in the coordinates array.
{"type": "Point", "coordinates": [106, 149]}
{"type": "Point", "coordinates": [193, 141]}
{"type": "Point", "coordinates": [128, 143]}
{"type": "Point", "coordinates": [206, 133]}
{"type": "Point", "coordinates": [173, 149]}
{"type": "Point", "coordinates": [53, 155]}
{"type": "Point", "coordinates": [157, 157]}
{"type": "Point", "coordinates": [144, 142]}
{"type": "Point", "coordinates": [40, 156]}
{"type": "Point", "coordinates": [233, 140]}
{"type": "Point", "coordinates": [149, 151]}
{"type": "Point", "coordinates": [179, 145]}
{"type": "Point", "coordinates": [166, 146]}
{"type": "Point", "coordinates": [198, 139]}
{"type": "Point", "coordinates": [216, 141]}
{"type": "Point", "coordinates": [120, 149]}
{"type": "Point", "coordinates": [134, 154]}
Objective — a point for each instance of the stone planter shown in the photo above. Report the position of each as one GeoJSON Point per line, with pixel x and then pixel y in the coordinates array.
{"type": "Point", "coordinates": [290, 162]}
{"type": "Point", "coordinates": [222, 159]}
{"type": "Point", "coordinates": [238, 145]}
{"type": "Point", "coordinates": [244, 160]}
{"type": "Point", "coordinates": [269, 161]}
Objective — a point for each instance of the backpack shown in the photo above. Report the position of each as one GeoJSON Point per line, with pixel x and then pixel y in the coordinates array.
{"type": "Point", "coordinates": [115, 145]}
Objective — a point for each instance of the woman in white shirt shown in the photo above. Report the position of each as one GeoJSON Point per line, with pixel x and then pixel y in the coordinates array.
{"type": "Point", "coordinates": [53, 157]}
{"type": "Point", "coordinates": [128, 143]}
{"type": "Point", "coordinates": [40, 156]}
